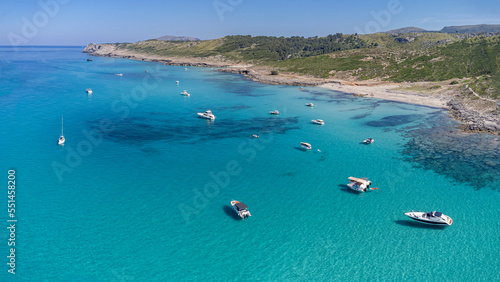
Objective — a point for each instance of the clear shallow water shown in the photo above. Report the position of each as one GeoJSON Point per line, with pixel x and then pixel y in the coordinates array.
{"type": "Point", "coordinates": [150, 199]}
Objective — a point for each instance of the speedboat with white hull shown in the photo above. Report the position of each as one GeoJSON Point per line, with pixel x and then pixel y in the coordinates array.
{"type": "Point", "coordinates": [305, 146]}
{"type": "Point", "coordinates": [89, 91]}
{"type": "Point", "coordinates": [207, 114]}
{"type": "Point", "coordinates": [241, 209]}
{"type": "Point", "coordinates": [185, 93]}
{"type": "Point", "coordinates": [318, 121]}
{"type": "Point", "coordinates": [61, 138]}
{"type": "Point", "coordinates": [310, 104]}
{"type": "Point", "coordinates": [433, 218]}
{"type": "Point", "coordinates": [275, 112]}
{"type": "Point", "coordinates": [368, 141]}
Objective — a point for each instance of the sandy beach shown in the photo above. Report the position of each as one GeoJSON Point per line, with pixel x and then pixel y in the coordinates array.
{"type": "Point", "coordinates": [390, 91]}
{"type": "Point", "coordinates": [476, 113]}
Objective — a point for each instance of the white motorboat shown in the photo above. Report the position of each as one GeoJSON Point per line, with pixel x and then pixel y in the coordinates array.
{"type": "Point", "coordinates": [119, 74]}
{"type": "Point", "coordinates": [61, 138]}
{"type": "Point", "coordinates": [360, 184]}
{"type": "Point", "coordinates": [310, 104]}
{"type": "Point", "coordinates": [305, 146]}
{"type": "Point", "coordinates": [89, 91]}
{"type": "Point", "coordinates": [185, 93]}
{"type": "Point", "coordinates": [241, 209]}
{"type": "Point", "coordinates": [368, 141]}
{"type": "Point", "coordinates": [177, 81]}
{"type": "Point", "coordinates": [318, 121]}
{"type": "Point", "coordinates": [207, 114]}
{"type": "Point", "coordinates": [434, 218]}
{"type": "Point", "coordinates": [255, 136]}
{"type": "Point", "coordinates": [275, 112]}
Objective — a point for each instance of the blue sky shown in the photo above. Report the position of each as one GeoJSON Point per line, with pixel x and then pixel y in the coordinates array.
{"type": "Point", "coordinates": [73, 22]}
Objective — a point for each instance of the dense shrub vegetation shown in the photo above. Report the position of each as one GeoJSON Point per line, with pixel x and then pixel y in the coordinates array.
{"type": "Point", "coordinates": [282, 48]}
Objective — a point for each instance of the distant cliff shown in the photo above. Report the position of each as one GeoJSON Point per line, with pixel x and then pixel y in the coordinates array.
{"type": "Point", "coordinates": [99, 49]}
{"type": "Point", "coordinates": [467, 29]}
{"type": "Point", "coordinates": [477, 29]}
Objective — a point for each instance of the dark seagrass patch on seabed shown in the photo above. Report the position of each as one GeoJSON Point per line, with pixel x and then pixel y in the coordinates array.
{"type": "Point", "coordinates": [394, 120]}
{"type": "Point", "coordinates": [142, 129]}
{"type": "Point", "coordinates": [361, 116]}
{"type": "Point", "coordinates": [472, 159]}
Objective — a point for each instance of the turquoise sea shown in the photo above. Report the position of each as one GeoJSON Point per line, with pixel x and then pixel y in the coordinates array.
{"type": "Point", "coordinates": [141, 190]}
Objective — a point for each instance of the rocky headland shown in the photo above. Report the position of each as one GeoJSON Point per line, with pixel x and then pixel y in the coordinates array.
{"type": "Point", "coordinates": [111, 50]}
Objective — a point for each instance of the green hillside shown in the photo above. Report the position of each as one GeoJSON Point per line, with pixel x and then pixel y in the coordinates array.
{"type": "Point", "coordinates": [249, 48]}
{"type": "Point", "coordinates": [403, 57]}
{"type": "Point", "coordinates": [407, 30]}
{"type": "Point", "coordinates": [174, 48]}
{"type": "Point", "coordinates": [429, 57]}
{"type": "Point", "coordinates": [283, 48]}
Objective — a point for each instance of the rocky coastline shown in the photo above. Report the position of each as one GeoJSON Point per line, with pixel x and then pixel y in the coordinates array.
{"type": "Point", "coordinates": [261, 76]}
{"type": "Point", "coordinates": [473, 120]}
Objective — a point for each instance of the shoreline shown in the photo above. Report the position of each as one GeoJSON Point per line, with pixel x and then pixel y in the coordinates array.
{"type": "Point", "coordinates": [388, 92]}
{"type": "Point", "coordinates": [478, 115]}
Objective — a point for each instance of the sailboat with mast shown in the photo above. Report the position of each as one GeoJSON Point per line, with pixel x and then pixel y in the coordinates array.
{"type": "Point", "coordinates": [61, 138]}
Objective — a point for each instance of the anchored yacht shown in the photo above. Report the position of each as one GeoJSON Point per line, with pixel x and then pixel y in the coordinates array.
{"type": "Point", "coordinates": [318, 121]}
{"type": "Point", "coordinates": [241, 209]}
{"type": "Point", "coordinates": [368, 141]}
{"type": "Point", "coordinates": [360, 184]}
{"type": "Point", "coordinates": [305, 146]}
{"type": "Point", "coordinates": [61, 138]}
{"type": "Point", "coordinates": [207, 114]}
{"type": "Point", "coordinates": [434, 218]}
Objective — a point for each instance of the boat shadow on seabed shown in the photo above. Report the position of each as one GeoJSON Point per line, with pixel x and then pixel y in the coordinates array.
{"type": "Point", "coordinates": [229, 211]}
{"type": "Point", "coordinates": [415, 224]}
